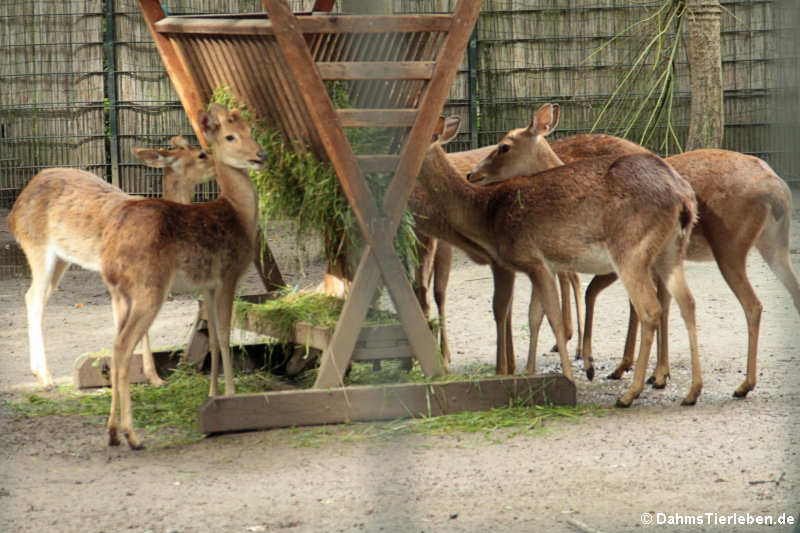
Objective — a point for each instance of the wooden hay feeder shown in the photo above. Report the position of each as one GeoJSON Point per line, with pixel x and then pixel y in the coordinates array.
{"type": "Point", "coordinates": [399, 70]}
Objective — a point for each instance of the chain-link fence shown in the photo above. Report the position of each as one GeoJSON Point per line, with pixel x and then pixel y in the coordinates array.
{"type": "Point", "coordinates": [81, 82]}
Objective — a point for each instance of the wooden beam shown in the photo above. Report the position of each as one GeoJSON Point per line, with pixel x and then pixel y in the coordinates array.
{"type": "Point", "coordinates": [433, 99]}
{"type": "Point", "coordinates": [375, 70]}
{"type": "Point", "coordinates": [377, 163]}
{"type": "Point", "coordinates": [323, 5]}
{"type": "Point", "coordinates": [188, 92]}
{"type": "Point", "coordinates": [385, 402]}
{"type": "Point", "coordinates": [377, 118]}
{"type": "Point", "coordinates": [333, 364]}
{"type": "Point", "coordinates": [218, 25]}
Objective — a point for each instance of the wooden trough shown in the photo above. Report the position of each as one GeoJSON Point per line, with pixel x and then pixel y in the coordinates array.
{"type": "Point", "coordinates": [398, 70]}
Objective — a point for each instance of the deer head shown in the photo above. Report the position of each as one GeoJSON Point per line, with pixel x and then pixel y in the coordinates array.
{"type": "Point", "coordinates": [229, 135]}
{"type": "Point", "coordinates": [521, 151]}
{"type": "Point", "coordinates": [192, 163]}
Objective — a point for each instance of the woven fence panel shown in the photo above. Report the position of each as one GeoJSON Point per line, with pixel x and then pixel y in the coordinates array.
{"type": "Point", "coordinates": [56, 108]}
{"type": "Point", "coordinates": [51, 82]}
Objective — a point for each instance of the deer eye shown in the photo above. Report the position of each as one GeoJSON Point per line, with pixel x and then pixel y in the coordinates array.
{"type": "Point", "coordinates": [201, 156]}
{"type": "Point", "coordinates": [229, 137]}
{"type": "Point", "coordinates": [504, 148]}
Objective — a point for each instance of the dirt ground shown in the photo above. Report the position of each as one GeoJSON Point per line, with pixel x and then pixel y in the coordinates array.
{"type": "Point", "coordinates": [721, 460]}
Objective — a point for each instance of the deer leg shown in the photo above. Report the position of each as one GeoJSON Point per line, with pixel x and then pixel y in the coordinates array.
{"type": "Point", "coordinates": [630, 345]}
{"type": "Point", "coordinates": [149, 364]}
{"type": "Point", "coordinates": [46, 271]}
{"type": "Point", "coordinates": [213, 340]}
{"type": "Point", "coordinates": [441, 268]}
{"type": "Point", "coordinates": [597, 284]}
{"type": "Point", "coordinates": [501, 307]}
{"type": "Point", "coordinates": [659, 378]}
{"type": "Point", "coordinates": [575, 282]}
{"type": "Point", "coordinates": [224, 304]}
{"type": "Point", "coordinates": [773, 245]}
{"type": "Point", "coordinates": [535, 316]}
{"type": "Point", "coordinates": [642, 293]}
{"type": "Point", "coordinates": [422, 277]}
{"type": "Point", "coordinates": [135, 319]}
{"type": "Point", "coordinates": [566, 309]}
{"type": "Point", "coordinates": [676, 284]}
{"type": "Point", "coordinates": [544, 282]}
{"type": "Point", "coordinates": [734, 271]}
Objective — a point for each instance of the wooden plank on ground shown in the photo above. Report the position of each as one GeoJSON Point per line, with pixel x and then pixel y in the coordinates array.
{"type": "Point", "coordinates": [384, 402]}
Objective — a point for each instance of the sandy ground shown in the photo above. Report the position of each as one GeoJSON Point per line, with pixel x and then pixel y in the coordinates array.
{"type": "Point", "coordinates": [724, 459]}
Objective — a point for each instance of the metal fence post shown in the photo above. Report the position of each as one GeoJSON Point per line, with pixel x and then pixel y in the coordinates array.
{"type": "Point", "coordinates": [112, 134]}
{"type": "Point", "coordinates": [472, 61]}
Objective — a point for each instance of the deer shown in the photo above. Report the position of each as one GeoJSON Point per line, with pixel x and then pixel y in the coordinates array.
{"type": "Point", "coordinates": [55, 220]}
{"type": "Point", "coordinates": [742, 203]}
{"type": "Point", "coordinates": [151, 245]}
{"type": "Point", "coordinates": [529, 224]}
{"type": "Point", "coordinates": [436, 260]}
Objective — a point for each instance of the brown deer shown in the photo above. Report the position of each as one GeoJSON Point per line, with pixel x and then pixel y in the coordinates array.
{"type": "Point", "coordinates": [436, 260]}
{"type": "Point", "coordinates": [741, 203]}
{"type": "Point", "coordinates": [151, 245]}
{"type": "Point", "coordinates": [57, 221]}
{"type": "Point", "coordinates": [568, 218]}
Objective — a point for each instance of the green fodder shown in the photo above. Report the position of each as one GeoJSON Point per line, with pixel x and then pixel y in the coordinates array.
{"type": "Point", "coordinates": [295, 185]}
{"type": "Point", "coordinates": [280, 315]}
{"type": "Point", "coordinates": [167, 413]}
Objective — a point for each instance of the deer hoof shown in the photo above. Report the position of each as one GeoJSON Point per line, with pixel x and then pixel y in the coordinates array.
{"type": "Point", "coordinates": [622, 403]}
{"type": "Point", "coordinates": [590, 373]}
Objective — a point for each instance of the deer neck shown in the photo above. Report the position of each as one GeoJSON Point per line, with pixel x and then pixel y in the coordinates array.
{"type": "Point", "coordinates": [237, 189]}
{"type": "Point", "coordinates": [462, 204]}
{"type": "Point", "coordinates": [176, 189]}
{"type": "Point", "coordinates": [542, 157]}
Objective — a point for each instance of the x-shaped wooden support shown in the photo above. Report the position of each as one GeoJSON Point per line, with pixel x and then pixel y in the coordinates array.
{"type": "Point", "coordinates": [379, 228]}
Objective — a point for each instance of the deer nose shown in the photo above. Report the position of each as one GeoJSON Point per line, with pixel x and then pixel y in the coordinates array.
{"type": "Point", "coordinates": [469, 175]}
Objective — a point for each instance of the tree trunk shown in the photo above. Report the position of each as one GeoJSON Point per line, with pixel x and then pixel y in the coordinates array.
{"type": "Point", "coordinates": [706, 123]}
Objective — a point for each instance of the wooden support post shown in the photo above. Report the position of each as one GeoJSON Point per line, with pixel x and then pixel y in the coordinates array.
{"type": "Point", "coordinates": [378, 230]}
{"type": "Point", "coordinates": [188, 92]}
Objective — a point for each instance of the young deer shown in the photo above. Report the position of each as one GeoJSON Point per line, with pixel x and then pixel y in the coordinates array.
{"type": "Point", "coordinates": [741, 203]}
{"type": "Point", "coordinates": [630, 215]}
{"type": "Point", "coordinates": [436, 259]}
{"type": "Point", "coordinates": [59, 218]}
{"type": "Point", "coordinates": [184, 168]}
{"type": "Point", "coordinates": [151, 245]}
{"type": "Point", "coordinates": [436, 254]}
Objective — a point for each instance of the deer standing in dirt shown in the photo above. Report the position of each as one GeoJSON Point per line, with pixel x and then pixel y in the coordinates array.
{"type": "Point", "coordinates": [59, 218]}
{"type": "Point", "coordinates": [630, 215]}
{"type": "Point", "coordinates": [436, 257]}
{"type": "Point", "coordinates": [151, 245]}
{"type": "Point", "coordinates": [741, 203]}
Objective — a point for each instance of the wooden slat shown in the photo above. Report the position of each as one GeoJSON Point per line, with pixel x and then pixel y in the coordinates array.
{"type": "Point", "coordinates": [396, 198]}
{"type": "Point", "coordinates": [378, 163]}
{"type": "Point", "coordinates": [185, 86]}
{"type": "Point", "coordinates": [377, 118]}
{"type": "Point", "coordinates": [376, 70]}
{"type": "Point", "coordinates": [309, 24]}
{"type": "Point", "coordinates": [385, 402]}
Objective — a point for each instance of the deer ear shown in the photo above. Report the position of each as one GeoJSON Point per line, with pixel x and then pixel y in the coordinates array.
{"type": "Point", "coordinates": [544, 120]}
{"type": "Point", "coordinates": [153, 158]}
{"type": "Point", "coordinates": [179, 141]}
{"type": "Point", "coordinates": [447, 128]}
{"type": "Point", "coordinates": [208, 123]}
